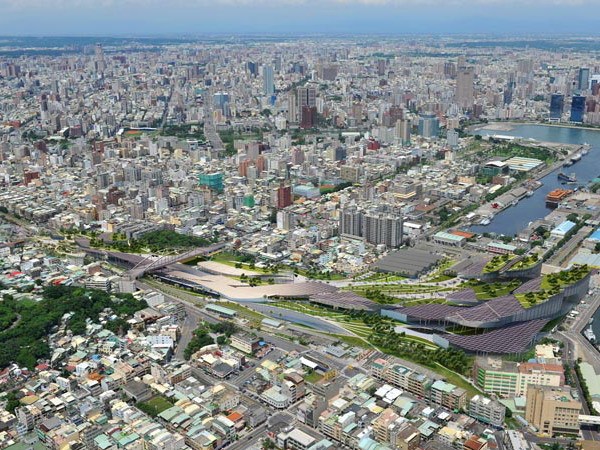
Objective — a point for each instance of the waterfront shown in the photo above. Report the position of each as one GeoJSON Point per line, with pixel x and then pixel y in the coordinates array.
{"type": "Point", "coordinates": [513, 219]}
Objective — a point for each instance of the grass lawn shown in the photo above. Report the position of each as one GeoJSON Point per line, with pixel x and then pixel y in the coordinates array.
{"type": "Point", "coordinates": [456, 379]}
{"type": "Point", "coordinates": [159, 403]}
{"type": "Point", "coordinates": [488, 291]}
{"type": "Point", "coordinates": [498, 262]}
{"type": "Point", "coordinates": [351, 340]}
{"type": "Point", "coordinates": [312, 377]}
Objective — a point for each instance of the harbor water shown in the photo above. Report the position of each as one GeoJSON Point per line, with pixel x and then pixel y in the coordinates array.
{"type": "Point", "coordinates": [515, 218]}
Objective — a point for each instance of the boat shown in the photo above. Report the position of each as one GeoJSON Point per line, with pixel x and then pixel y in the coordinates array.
{"type": "Point", "coordinates": [585, 150]}
{"type": "Point", "coordinates": [571, 178]}
{"type": "Point", "coordinates": [576, 157]}
{"type": "Point", "coordinates": [529, 193]}
{"type": "Point", "coordinates": [567, 163]}
{"type": "Point", "coordinates": [515, 202]}
{"type": "Point", "coordinates": [589, 334]}
{"type": "Point", "coordinates": [485, 221]}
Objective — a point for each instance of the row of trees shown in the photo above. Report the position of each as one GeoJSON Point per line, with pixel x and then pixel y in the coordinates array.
{"type": "Point", "coordinates": [155, 241]}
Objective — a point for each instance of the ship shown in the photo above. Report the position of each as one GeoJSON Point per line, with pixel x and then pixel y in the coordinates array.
{"type": "Point", "coordinates": [572, 178]}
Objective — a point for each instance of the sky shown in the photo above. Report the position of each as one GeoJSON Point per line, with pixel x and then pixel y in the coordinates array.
{"type": "Point", "coordinates": [162, 17]}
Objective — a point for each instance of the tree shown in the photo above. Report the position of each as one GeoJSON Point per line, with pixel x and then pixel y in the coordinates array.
{"type": "Point", "coordinates": [268, 444]}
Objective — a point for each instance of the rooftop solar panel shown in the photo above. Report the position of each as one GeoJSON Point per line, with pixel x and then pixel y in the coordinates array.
{"type": "Point", "coordinates": [512, 339]}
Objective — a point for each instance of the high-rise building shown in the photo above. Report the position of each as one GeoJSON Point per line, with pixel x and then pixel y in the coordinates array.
{"type": "Point", "coordinates": [452, 138]}
{"type": "Point", "coordinates": [252, 68]}
{"type": "Point", "coordinates": [213, 181]}
{"type": "Point", "coordinates": [403, 131]}
{"type": "Point", "coordinates": [464, 88]}
{"type": "Point", "coordinates": [583, 81]}
{"type": "Point", "coordinates": [552, 410]}
{"type": "Point", "coordinates": [382, 229]}
{"type": "Point", "coordinates": [428, 125]}
{"type": "Point", "coordinates": [292, 107]}
{"type": "Point", "coordinates": [557, 105]}
{"type": "Point", "coordinates": [99, 63]}
{"type": "Point", "coordinates": [268, 80]}
{"type": "Point", "coordinates": [351, 222]}
{"type": "Point", "coordinates": [307, 96]}
{"type": "Point", "coordinates": [308, 117]}
{"type": "Point", "coordinates": [577, 108]}
{"type": "Point", "coordinates": [284, 196]}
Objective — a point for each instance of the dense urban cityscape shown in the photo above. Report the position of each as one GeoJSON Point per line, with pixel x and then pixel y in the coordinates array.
{"type": "Point", "coordinates": [308, 243]}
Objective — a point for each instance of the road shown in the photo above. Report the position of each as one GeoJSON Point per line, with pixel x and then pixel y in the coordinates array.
{"type": "Point", "coordinates": [571, 246]}
{"type": "Point", "coordinates": [578, 346]}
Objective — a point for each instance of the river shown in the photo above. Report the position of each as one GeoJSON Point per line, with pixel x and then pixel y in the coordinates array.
{"type": "Point", "coordinates": [515, 218]}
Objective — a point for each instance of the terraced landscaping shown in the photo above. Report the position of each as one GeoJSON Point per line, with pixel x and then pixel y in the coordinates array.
{"type": "Point", "coordinates": [487, 291]}
{"type": "Point", "coordinates": [498, 262]}
{"type": "Point", "coordinates": [391, 289]}
{"type": "Point", "coordinates": [552, 284]}
{"type": "Point", "coordinates": [526, 263]}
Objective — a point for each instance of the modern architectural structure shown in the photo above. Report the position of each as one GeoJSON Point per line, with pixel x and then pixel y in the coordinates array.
{"type": "Point", "coordinates": [464, 88]}
{"type": "Point", "coordinates": [382, 228]}
{"type": "Point", "coordinates": [268, 80]}
{"type": "Point", "coordinates": [583, 80]}
{"type": "Point", "coordinates": [577, 108]}
{"type": "Point", "coordinates": [373, 226]}
{"type": "Point", "coordinates": [213, 181]}
{"type": "Point", "coordinates": [557, 106]}
{"type": "Point", "coordinates": [428, 125]}
{"type": "Point", "coordinates": [284, 196]}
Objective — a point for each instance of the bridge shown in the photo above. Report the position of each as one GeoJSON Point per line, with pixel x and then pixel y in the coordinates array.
{"type": "Point", "coordinates": [151, 263]}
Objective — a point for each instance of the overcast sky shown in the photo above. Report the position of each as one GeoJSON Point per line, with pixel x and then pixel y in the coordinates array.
{"type": "Point", "coordinates": [144, 17]}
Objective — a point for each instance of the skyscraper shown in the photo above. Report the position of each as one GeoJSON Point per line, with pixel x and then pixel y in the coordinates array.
{"type": "Point", "coordinates": [428, 125]}
{"type": "Point", "coordinates": [577, 108]}
{"type": "Point", "coordinates": [403, 131]}
{"type": "Point", "coordinates": [252, 68]}
{"type": "Point", "coordinates": [292, 107]}
{"type": "Point", "coordinates": [268, 80]}
{"type": "Point", "coordinates": [100, 63]}
{"type": "Point", "coordinates": [351, 222]}
{"type": "Point", "coordinates": [307, 96]}
{"type": "Point", "coordinates": [557, 105]}
{"type": "Point", "coordinates": [583, 79]}
{"type": "Point", "coordinates": [284, 196]}
{"type": "Point", "coordinates": [464, 88]}
{"type": "Point", "coordinates": [307, 101]}
{"type": "Point", "coordinates": [382, 229]}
